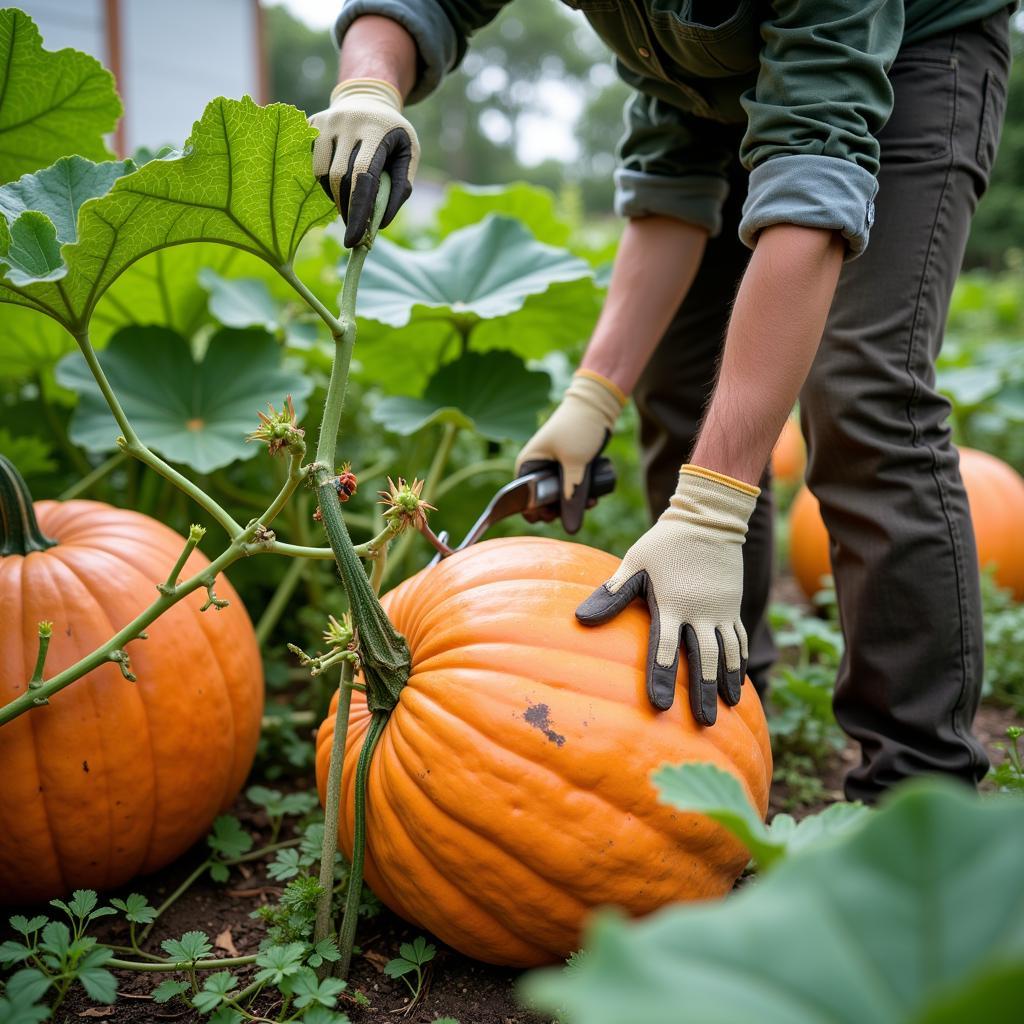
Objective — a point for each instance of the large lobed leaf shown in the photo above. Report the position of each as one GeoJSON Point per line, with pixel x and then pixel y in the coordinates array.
{"type": "Point", "coordinates": [479, 272]}
{"type": "Point", "coordinates": [196, 413]}
{"type": "Point", "coordinates": [535, 207]}
{"type": "Point", "coordinates": [492, 393]}
{"type": "Point", "coordinates": [717, 794]}
{"type": "Point", "coordinates": [51, 103]}
{"type": "Point", "coordinates": [893, 922]}
{"type": "Point", "coordinates": [243, 179]}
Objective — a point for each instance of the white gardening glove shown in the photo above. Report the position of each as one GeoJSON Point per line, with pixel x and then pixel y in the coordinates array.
{"type": "Point", "coordinates": [362, 134]}
{"type": "Point", "coordinates": [573, 437]}
{"type": "Point", "coordinates": [689, 568]}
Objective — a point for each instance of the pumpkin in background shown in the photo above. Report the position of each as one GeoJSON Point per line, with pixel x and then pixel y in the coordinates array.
{"type": "Point", "coordinates": [113, 779]}
{"type": "Point", "coordinates": [789, 456]}
{"type": "Point", "coordinates": [996, 495]}
{"type": "Point", "coordinates": [509, 794]}
{"type": "Point", "coordinates": [809, 556]}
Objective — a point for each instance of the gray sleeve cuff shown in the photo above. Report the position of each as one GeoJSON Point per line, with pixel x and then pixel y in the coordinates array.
{"type": "Point", "coordinates": [695, 198]}
{"type": "Point", "coordinates": [812, 192]}
{"type": "Point", "coordinates": [425, 22]}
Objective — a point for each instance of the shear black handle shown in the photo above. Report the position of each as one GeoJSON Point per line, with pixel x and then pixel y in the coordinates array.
{"type": "Point", "coordinates": [602, 482]}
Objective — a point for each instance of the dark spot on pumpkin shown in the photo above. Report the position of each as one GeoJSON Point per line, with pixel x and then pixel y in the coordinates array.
{"type": "Point", "coordinates": [539, 716]}
{"type": "Point", "coordinates": [67, 632]}
{"type": "Point", "coordinates": [85, 766]}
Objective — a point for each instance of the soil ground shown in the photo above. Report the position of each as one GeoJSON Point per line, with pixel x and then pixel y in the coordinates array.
{"type": "Point", "coordinates": [457, 987]}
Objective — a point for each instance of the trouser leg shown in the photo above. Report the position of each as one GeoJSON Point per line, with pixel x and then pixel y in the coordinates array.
{"type": "Point", "coordinates": [671, 397]}
{"type": "Point", "coordinates": [881, 460]}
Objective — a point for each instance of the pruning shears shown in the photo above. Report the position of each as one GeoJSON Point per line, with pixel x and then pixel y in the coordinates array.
{"type": "Point", "coordinates": [529, 493]}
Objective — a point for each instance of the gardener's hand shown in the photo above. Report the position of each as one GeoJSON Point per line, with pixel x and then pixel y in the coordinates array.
{"type": "Point", "coordinates": [363, 133]}
{"type": "Point", "coordinates": [689, 568]}
{"type": "Point", "coordinates": [573, 437]}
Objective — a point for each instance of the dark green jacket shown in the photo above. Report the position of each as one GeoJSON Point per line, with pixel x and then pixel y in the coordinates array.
{"type": "Point", "coordinates": [808, 78]}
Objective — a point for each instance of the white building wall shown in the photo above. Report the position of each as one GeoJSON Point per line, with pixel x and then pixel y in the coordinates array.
{"type": "Point", "coordinates": [175, 56]}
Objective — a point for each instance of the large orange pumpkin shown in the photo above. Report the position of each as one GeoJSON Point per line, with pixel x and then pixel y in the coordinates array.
{"type": "Point", "coordinates": [996, 494]}
{"type": "Point", "coordinates": [510, 794]}
{"type": "Point", "coordinates": [789, 456]}
{"type": "Point", "coordinates": [113, 778]}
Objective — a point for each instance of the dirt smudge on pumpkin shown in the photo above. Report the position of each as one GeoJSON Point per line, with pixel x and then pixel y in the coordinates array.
{"type": "Point", "coordinates": [539, 716]}
{"type": "Point", "coordinates": [85, 766]}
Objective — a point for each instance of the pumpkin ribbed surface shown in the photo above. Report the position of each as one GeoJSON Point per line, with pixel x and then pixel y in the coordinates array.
{"type": "Point", "coordinates": [509, 795]}
{"type": "Point", "coordinates": [114, 778]}
{"type": "Point", "coordinates": [996, 495]}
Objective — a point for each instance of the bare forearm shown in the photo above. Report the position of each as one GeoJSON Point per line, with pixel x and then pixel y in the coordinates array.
{"type": "Point", "coordinates": [380, 48]}
{"type": "Point", "coordinates": [773, 335]}
{"type": "Point", "coordinates": [655, 265]}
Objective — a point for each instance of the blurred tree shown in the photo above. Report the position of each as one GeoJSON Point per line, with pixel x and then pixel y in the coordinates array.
{"type": "Point", "coordinates": [488, 122]}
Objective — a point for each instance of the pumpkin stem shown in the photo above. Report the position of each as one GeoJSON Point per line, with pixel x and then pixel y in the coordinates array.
{"type": "Point", "coordinates": [353, 895]}
{"type": "Point", "coordinates": [19, 529]}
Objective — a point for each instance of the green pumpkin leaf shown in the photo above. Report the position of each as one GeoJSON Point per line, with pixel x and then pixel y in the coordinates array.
{"type": "Point", "coordinates": [193, 413]}
{"type": "Point", "coordinates": [484, 271]}
{"type": "Point", "coordinates": [717, 794]}
{"type": "Point", "coordinates": [52, 102]}
{"type": "Point", "coordinates": [243, 179]}
{"type": "Point", "coordinates": [241, 301]}
{"type": "Point", "coordinates": [164, 289]}
{"type": "Point", "coordinates": [535, 208]}
{"type": "Point", "coordinates": [492, 393]}
{"type": "Point", "coordinates": [925, 900]}
{"type": "Point", "coordinates": [32, 455]}
{"type": "Point", "coordinates": [30, 343]}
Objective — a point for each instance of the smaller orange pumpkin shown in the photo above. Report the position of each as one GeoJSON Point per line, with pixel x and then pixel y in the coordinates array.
{"type": "Point", "coordinates": [789, 456]}
{"type": "Point", "coordinates": [996, 495]}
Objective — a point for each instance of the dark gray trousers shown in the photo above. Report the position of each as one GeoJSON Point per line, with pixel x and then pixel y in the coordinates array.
{"type": "Point", "coordinates": [881, 461]}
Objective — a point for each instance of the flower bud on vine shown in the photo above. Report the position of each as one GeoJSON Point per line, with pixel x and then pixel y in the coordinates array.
{"type": "Point", "coordinates": [340, 634]}
{"type": "Point", "coordinates": [280, 431]}
{"type": "Point", "coordinates": [403, 506]}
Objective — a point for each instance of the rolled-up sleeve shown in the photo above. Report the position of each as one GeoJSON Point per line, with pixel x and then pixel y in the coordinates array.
{"type": "Point", "coordinates": [821, 97]}
{"type": "Point", "coordinates": [672, 164]}
{"type": "Point", "coordinates": [440, 29]}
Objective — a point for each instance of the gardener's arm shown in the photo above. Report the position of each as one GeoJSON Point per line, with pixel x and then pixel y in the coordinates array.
{"type": "Point", "coordinates": [392, 51]}
{"type": "Point", "coordinates": [774, 331]}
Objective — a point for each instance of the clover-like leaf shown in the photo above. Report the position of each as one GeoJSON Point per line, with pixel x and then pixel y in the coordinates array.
{"type": "Point", "coordinates": [190, 947]}
{"type": "Point", "coordinates": [98, 982]}
{"type": "Point", "coordinates": [228, 838]}
{"type": "Point", "coordinates": [51, 103]}
{"type": "Point", "coordinates": [923, 901]}
{"type": "Point", "coordinates": [309, 990]}
{"type": "Point", "coordinates": [492, 393]}
{"type": "Point", "coordinates": [194, 413]}
{"type": "Point", "coordinates": [279, 962]}
{"type": "Point", "coordinates": [136, 908]}
{"type": "Point", "coordinates": [487, 270]}
{"type": "Point", "coordinates": [21, 990]}
{"type": "Point", "coordinates": [243, 179]}
{"type": "Point", "coordinates": [167, 990]}
{"type": "Point", "coordinates": [215, 988]}
{"type": "Point", "coordinates": [533, 207]}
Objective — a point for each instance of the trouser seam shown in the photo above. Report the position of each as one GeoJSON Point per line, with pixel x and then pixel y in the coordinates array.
{"type": "Point", "coordinates": [917, 441]}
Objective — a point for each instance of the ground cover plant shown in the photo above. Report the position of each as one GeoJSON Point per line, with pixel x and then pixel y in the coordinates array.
{"type": "Point", "coordinates": [204, 344]}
